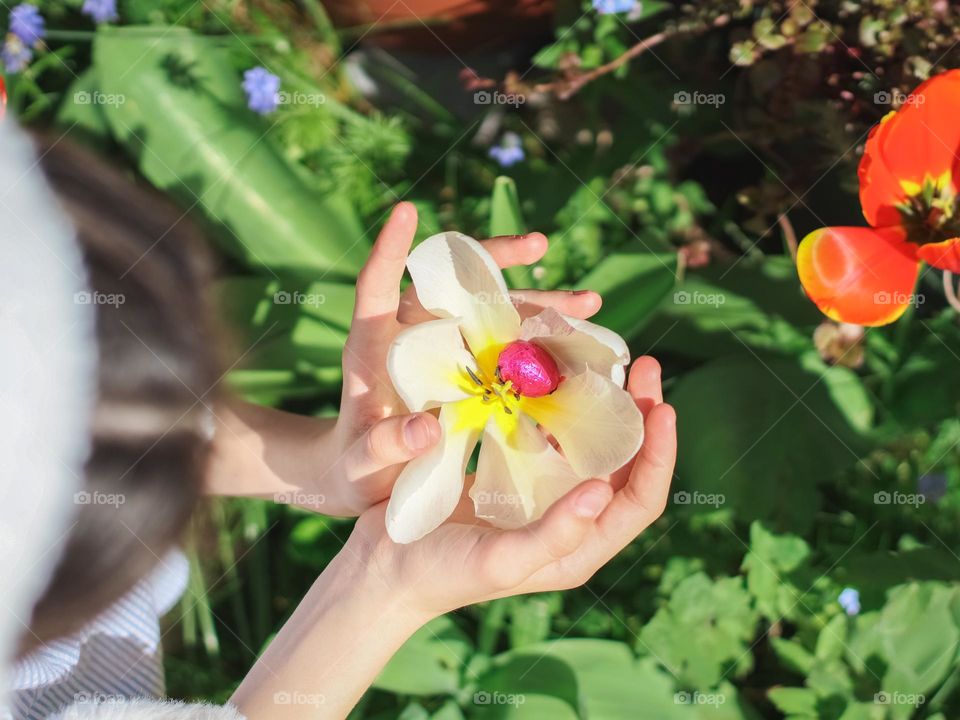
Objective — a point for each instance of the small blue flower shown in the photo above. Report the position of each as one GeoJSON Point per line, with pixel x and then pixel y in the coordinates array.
{"type": "Point", "coordinates": [100, 11]}
{"type": "Point", "coordinates": [850, 601]}
{"type": "Point", "coordinates": [610, 7]}
{"type": "Point", "coordinates": [15, 55]}
{"type": "Point", "coordinates": [263, 90]}
{"type": "Point", "coordinates": [510, 150]}
{"type": "Point", "coordinates": [933, 486]}
{"type": "Point", "coordinates": [28, 24]}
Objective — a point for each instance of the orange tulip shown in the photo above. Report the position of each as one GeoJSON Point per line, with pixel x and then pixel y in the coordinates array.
{"type": "Point", "coordinates": [909, 182]}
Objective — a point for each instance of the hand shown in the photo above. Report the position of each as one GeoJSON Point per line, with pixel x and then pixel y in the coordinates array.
{"type": "Point", "coordinates": [466, 561]}
{"type": "Point", "coordinates": [375, 434]}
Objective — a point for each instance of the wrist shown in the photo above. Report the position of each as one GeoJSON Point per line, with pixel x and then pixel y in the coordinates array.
{"type": "Point", "coordinates": [370, 577]}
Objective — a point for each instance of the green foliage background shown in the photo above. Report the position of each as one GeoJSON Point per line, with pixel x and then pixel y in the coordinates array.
{"type": "Point", "coordinates": [790, 467]}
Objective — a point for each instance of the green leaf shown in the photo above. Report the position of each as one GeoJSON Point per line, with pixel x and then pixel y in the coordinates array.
{"type": "Point", "coordinates": [794, 701]}
{"type": "Point", "coordinates": [183, 119]}
{"type": "Point", "coordinates": [81, 112]}
{"type": "Point", "coordinates": [507, 219]}
{"type": "Point", "coordinates": [429, 663]}
{"type": "Point", "coordinates": [915, 636]}
{"type": "Point", "coordinates": [793, 655]}
{"type": "Point", "coordinates": [728, 310]}
{"type": "Point", "coordinates": [530, 619]}
{"type": "Point", "coordinates": [599, 679]}
{"type": "Point", "coordinates": [702, 633]}
{"type": "Point", "coordinates": [762, 432]}
{"type": "Point", "coordinates": [768, 565]}
{"type": "Point", "coordinates": [632, 286]}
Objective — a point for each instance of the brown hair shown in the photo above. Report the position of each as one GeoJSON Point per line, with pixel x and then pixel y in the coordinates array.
{"type": "Point", "coordinates": [156, 371]}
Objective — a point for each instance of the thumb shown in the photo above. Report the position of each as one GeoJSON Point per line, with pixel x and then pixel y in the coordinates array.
{"type": "Point", "coordinates": [561, 530]}
{"type": "Point", "coordinates": [396, 440]}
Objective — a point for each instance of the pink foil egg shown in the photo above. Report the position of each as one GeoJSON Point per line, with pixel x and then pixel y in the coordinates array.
{"type": "Point", "coordinates": [529, 368]}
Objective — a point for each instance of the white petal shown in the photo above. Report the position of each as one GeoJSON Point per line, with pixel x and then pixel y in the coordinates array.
{"type": "Point", "coordinates": [429, 487]}
{"type": "Point", "coordinates": [578, 344]}
{"type": "Point", "coordinates": [519, 474]}
{"type": "Point", "coordinates": [426, 364]}
{"type": "Point", "coordinates": [596, 423]}
{"type": "Point", "coordinates": [455, 277]}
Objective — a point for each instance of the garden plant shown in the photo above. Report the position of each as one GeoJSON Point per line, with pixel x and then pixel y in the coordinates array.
{"type": "Point", "coordinates": [765, 196]}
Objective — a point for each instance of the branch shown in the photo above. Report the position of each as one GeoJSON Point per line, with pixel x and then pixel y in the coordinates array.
{"type": "Point", "coordinates": [570, 86]}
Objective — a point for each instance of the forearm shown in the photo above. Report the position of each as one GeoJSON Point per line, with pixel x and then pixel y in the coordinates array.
{"type": "Point", "coordinates": [331, 649]}
{"type": "Point", "coordinates": [267, 453]}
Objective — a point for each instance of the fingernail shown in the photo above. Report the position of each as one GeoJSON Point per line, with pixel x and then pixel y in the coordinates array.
{"type": "Point", "coordinates": [416, 433]}
{"type": "Point", "coordinates": [582, 292]}
{"type": "Point", "coordinates": [591, 503]}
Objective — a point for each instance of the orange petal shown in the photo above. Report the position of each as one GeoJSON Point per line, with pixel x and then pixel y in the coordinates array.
{"type": "Point", "coordinates": [944, 255]}
{"type": "Point", "coordinates": [858, 275]}
{"type": "Point", "coordinates": [917, 142]}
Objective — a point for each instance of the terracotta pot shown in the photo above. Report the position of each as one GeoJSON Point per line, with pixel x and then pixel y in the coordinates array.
{"type": "Point", "coordinates": [442, 25]}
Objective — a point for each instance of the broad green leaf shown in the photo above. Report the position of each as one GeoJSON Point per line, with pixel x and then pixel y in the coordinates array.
{"type": "Point", "coordinates": [429, 663]}
{"type": "Point", "coordinates": [507, 219]}
{"type": "Point", "coordinates": [762, 432]}
{"type": "Point", "coordinates": [726, 310]}
{"type": "Point", "coordinates": [184, 121]}
{"type": "Point", "coordinates": [601, 678]}
{"type": "Point", "coordinates": [632, 285]}
{"type": "Point", "coordinates": [915, 636]}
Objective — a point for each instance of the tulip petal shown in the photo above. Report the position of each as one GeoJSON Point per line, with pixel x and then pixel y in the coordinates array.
{"type": "Point", "coordinates": [519, 473]}
{"type": "Point", "coordinates": [856, 275]}
{"type": "Point", "coordinates": [578, 344]}
{"type": "Point", "coordinates": [943, 255]}
{"type": "Point", "coordinates": [918, 142]}
{"type": "Point", "coordinates": [427, 364]}
{"type": "Point", "coordinates": [429, 487]}
{"type": "Point", "coordinates": [595, 421]}
{"type": "Point", "coordinates": [455, 277]}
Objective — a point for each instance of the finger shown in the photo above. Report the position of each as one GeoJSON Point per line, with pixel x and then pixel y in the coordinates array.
{"type": "Point", "coordinates": [644, 385]}
{"type": "Point", "coordinates": [378, 284]}
{"type": "Point", "coordinates": [507, 250]}
{"type": "Point", "coordinates": [581, 304]}
{"type": "Point", "coordinates": [395, 440]}
{"type": "Point", "coordinates": [510, 250]}
{"type": "Point", "coordinates": [644, 497]}
{"type": "Point", "coordinates": [561, 530]}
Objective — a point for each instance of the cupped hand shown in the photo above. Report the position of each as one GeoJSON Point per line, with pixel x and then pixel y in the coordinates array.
{"type": "Point", "coordinates": [466, 561]}
{"type": "Point", "coordinates": [375, 433]}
